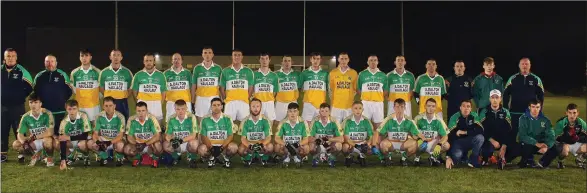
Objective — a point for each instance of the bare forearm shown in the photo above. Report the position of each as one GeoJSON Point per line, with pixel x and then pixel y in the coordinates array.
{"type": "Point", "coordinates": [131, 139]}
{"type": "Point", "coordinates": [154, 139]}
{"type": "Point", "coordinates": [227, 141]}
{"type": "Point", "coordinates": [244, 141]}
{"type": "Point", "coordinates": [338, 139]}
{"type": "Point", "coordinates": [118, 138]}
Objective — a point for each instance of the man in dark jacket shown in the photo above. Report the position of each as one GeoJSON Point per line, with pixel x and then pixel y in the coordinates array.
{"type": "Point", "coordinates": [497, 130]}
{"type": "Point", "coordinates": [466, 133]}
{"type": "Point", "coordinates": [486, 82]}
{"type": "Point", "coordinates": [16, 86]}
{"type": "Point", "coordinates": [536, 136]}
{"type": "Point", "coordinates": [571, 135]}
{"type": "Point", "coordinates": [459, 88]}
{"type": "Point", "coordinates": [54, 88]}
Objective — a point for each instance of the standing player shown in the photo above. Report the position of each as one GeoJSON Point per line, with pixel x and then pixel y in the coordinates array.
{"type": "Point", "coordinates": [181, 134]}
{"type": "Point", "coordinates": [143, 135]}
{"type": "Point", "coordinates": [496, 122]}
{"type": "Point", "coordinates": [291, 138]}
{"type": "Point", "coordinates": [372, 86]}
{"type": "Point", "coordinates": [205, 81]}
{"type": "Point", "coordinates": [290, 83]}
{"type": "Point", "coordinates": [73, 135]}
{"type": "Point", "coordinates": [326, 138]}
{"type": "Point", "coordinates": [571, 133]}
{"type": "Point", "coordinates": [430, 85]}
{"type": "Point", "coordinates": [109, 133]}
{"type": "Point", "coordinates": [179, 81]}
{"type": "Point", "coordinates": [401, 86]}
{"type": "Point", "coordinates": [397, 128]}
{"type": "Point", "coordinates": [485, 83]}
{"type": "Point", "coordinates": [459, 88]}
{"type": "Point", "coordinates": [37, 125]}
{"type": "Point", "coordinates": [265, 83]}
{"type": "Point", "coordinates": [53, 87]}
{"type": "Point", "coordinates": [85, 82]}
{"type": "Point", "coordinates": [315, 81]}
{"type": "Point", "coordinates": [522, 87]}
{"type": "Point", "coordinates": [358, 135]}
{"type": "Point", "coordinates": [236, 86]}
{"type": "Point", "coordinates": [149, 86]}
{"type": "Point", "coordinates": [536, 136]}
{"type": "Point", "coordinates": [17, 81]}
{"type": "Point", "coordinates": [465, 133]}
{"type": "Point", "coordinates": [255, 134]}
{"type": "Point", "coordinates": [343, 87]}
{"type": "Point", "coordinates": [217, 131]}
{"type": "Point", "coordinates": [434, 131]}
{"type": "Point", "coordinates": [115, 81]}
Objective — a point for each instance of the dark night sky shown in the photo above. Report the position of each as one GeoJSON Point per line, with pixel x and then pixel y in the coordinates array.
{"type": "Point", "coordinates": [551, 34]}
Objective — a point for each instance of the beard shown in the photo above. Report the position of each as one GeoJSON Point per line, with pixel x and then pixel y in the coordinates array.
{"type": "Point", "coordinates": [255, 114]}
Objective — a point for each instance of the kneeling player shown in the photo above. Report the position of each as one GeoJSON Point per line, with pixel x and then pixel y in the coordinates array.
{"type": "Point", "coordinates": [73, 135]}
{"type": "Point", "coordinates": [143, 134]}
{"type": "Point", "coordinates": [292, 136]}
{"type": "Point", "coordinates": [325, 139]}
{"type": "Point", "coordinates": [37, 125]}
{"type": "Point", "coordinates": [217, 133]}
{"type": "Point", "coordinates": [181, 134]}
{"type": "Point", "coordinates": [571, 132]}
{"type": "Point", "coordinates": [434, 130]}
{"type": "Point", "coordinates": [398, 127]}
{"type": "Point", "coordinates": [255, 132]}
{"type": "Point", "coordinates": [108, 133]}
{"type": "Point", "coordinates": [357, 128]}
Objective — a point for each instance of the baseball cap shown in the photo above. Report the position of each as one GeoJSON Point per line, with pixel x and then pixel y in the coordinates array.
{"type": "Point", "coordinates": [494, 92]}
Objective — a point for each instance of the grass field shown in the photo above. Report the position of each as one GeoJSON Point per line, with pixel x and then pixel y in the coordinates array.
{"type": "Point", "coordinates": [374, 178]}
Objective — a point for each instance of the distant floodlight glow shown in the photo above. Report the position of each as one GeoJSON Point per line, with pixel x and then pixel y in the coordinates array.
{"type": "Point", "coordinates": [157, 56]}
{"type": "Point", "coordinates": [333, 58]}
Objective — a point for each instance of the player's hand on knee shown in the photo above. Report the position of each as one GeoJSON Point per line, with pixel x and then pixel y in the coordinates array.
{"type": "Point", "coordinates": [449, 163]}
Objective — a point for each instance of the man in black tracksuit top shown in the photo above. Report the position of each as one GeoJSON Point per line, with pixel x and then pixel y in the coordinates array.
{"type": "Point", "coordinates": [16, 86]}
{"type": "Point", "coordinates": [465, 133]}
{"type": "Point", "coordinates": [522, 87]}
{"type": "Point", "coordinates": [497, 130]}
{"type": "Point", "coordinates": [571, 136]}
{"type": "Point", "coordinates": [459, 88]}
{"type": "Point", "coordinates": [54, 88]}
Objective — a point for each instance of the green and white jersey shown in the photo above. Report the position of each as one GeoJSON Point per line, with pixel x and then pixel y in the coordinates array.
{"type": "Point", "coordinates": [255, 131]}
{"type": "Point", "coordinates": [398, 130]}
{"type": "Point", "coordinates": [108, 129]}
{"type": "Point", "coordinates": [371, 85]}
{"type": "Point", "coordinates": [116, 82]}
{"type": "Point", "coordinates": [37, 126]}
{"type": "Point", "coordinates": [237, 83]}
{"type": "Point", "coordinates": [143, 131]}
{"type": "Point", "coordinates": [265, 86]}
{"type": "Point", "coordinates": [179, 85]}
{"type": "Point", "coordinates": [181, 129]}
{"type": "Point", "coordinates": [431, 128]}
{"type": "Point", "coordinates": [330, 128]}
{"type": "Point", "coordinates": [80, 125]}
{"type": "Point", "coordinates": [289, 85]}
{"type": "Point", "coordinates": [292, 133]}
{"type": "Point", "coordinates": [358, 132]}
{"type": "Point", "coordinates": [217, 130]}
{"type": "Point", "coordinates": [207, 80]}
{"type": "Point", "coordinates": [151, 86]}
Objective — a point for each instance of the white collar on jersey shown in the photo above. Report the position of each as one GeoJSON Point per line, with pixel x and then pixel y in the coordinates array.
{"type": "Point", "coordinates": [327, 121]}
{"type": "Point", "coordinates": [355, 120]}
{"type": "Point", "coordinates": [290, 71]}
{"type": "Point", "coordinates": [398, 121]}
{"type": "Point", "coordinates": [255, 122]}
{"type": "Point", "coordinates": [264, 74]}
{"type": "Point", "coordinates": [77, 116]}
{"type": "Point", "coordinates": [376, 70]}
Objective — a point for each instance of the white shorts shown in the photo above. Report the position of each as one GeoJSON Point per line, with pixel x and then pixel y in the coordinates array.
{"type": "Point", "coordinates": [155, 109]}
{"type": "Point", "coordinates": [309, 112]}
{"type": "Point", "coordinates": [407, 111]}
{"type": "Point", "coordinates": [182, 148]}
{"type": "Point", "coordinates": [397, 145]}
{"type": "Point", "coordinates": [268, 109]}
{"type": "Point", "coordinates": [171, 109]}
{"type": "Point", "coordinates": [38, 145]}
{"type": "Point", "coordinates": [281, 110]}
{"type": "Point", "coordinates": [574, 148]}
{"type": "Point", "coordinates": [203, 105]}
{"type": "Point", "coordinates": [237, 110]}
{"type": "Point", "coordinates": [340, 114]}
{"type": "Point", "coordinates": [431, 145]}
{"type": "Point", "coordinates": [91, 112]}
{"type": "Point", "coordinates": [373, 111]}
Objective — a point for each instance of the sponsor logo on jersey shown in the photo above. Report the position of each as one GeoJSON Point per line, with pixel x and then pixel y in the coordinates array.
{"type": "Point", "coordinates": [358, 136]}
{"type": "Point", "coordinates": [398, 136]}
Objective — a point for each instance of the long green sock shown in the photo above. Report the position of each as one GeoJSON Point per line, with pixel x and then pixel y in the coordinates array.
{"type": "Point", "coordinates": [247, 157]}
{"type": "Point", "coordinates": [404, 155]}
{"type": "Point", "coordinates": [103, 155]}
{"type": "Point", "coordinates": [192, 156]}
{"type": "Point", "coordinates": [154, 157]}
{"type": "Point", "coordinates": [138, 156]}
{"type": "Point", "coordinates": [175, 156]}
{"type": "Point", "coordinates": [331, 157]}
{"type": "Point", "coordinates": [264, 157]}
{"type": "Point", "coordinates": [118, 156]}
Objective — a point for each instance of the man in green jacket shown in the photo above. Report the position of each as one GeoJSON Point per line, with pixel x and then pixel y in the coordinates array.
{"type": "Point", "coordinates": [536, 136]}
{"type": "Point", "coordinates": [485, 82]}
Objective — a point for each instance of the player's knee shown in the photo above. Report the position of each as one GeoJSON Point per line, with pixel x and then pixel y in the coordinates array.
{"type": "Point", "coordinates": [337, 147]}
{"type": "Point", "coordinates": [203, 150]}
{"type": "Point", "coordinates": [445, 147]}
{"type": "Point", "coordinates": [478, 140]}
{"type": "Point", "coordinates": [48, 143]}
{"type": "Point", "coordinates": [268, 148]}
{"type": "Point", "coordinates": [346, 148]}
{"type": "Point", "coordinates": [17, 145]}
{"type": "Point", "coordinates": [565, 150]}
{"type": "Point", "coordinates": [241, 150]}
{"type": "Point", "coordinates": [583, 149]}
{"type": "Point", "coordinates": [193, 146]}
{"type": "Point", "coordinates": [232, 148]}
{"type": "Point", "coordinates": [384, 146]}
{"type": "Point", "coordinates": [119, 147]}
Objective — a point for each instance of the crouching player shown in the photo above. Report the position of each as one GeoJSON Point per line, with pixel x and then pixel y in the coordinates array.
{"type": "Point", "coordinates": [357, 128]}
{"type": "Point", "coordinates": [255, 132]}
{"type": "Point", "coordinates": [108, 133]}
{"type": "Point", "coordinates": [73, 135]}
{"type": "Point", "coordinates": [571, 132]}
{"type": "Point", "coordinates": [181, 134]}
{"type": "Point", "coordinates": [402, 135]}
{"type": "Point", "coordinates": [465, 133]}
{"type": "Point", "coordinates": [325, 139]}
{"type": "Point", "coordinates": [143, 134]}
{"type": "Point", "coordinates": [292, 136]}
{"type": "Point", "coordinates": [434, 130]}
{"type": "Point", "coordinates": [217, 133]}
{"type": "Point", "coordinates": [37, 125]}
